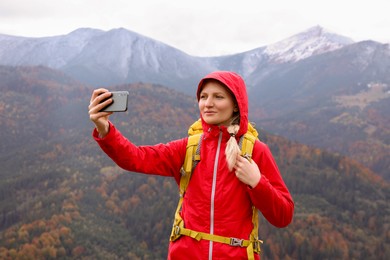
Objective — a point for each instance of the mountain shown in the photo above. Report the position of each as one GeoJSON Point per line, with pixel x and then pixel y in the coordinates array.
{"type": "Point", "coordinates": [54, 52]}
{"type": "Point", "coordinates": [103, 58]}
{"type": "Point", "coordinates": [314, 41]}
{"type": "Point", "coordinates": [121, 56]}
{"type": "Point", "coordinates": [312, 87]}
{"type": "Point", "coordinates": [254, 63]}
{"type": "Point", "coordinates": [337, 100]}
{"type": "Point", "coordinates": [61, 197]}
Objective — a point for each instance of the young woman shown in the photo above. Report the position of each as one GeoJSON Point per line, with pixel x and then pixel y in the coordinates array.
{"type": "Point", "coordinates": [224, 185]}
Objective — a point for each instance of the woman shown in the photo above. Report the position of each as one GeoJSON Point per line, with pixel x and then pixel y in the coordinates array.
{"type": "Point", "coordinates": [224, 185]}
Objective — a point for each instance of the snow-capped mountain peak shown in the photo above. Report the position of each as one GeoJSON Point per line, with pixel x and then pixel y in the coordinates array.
{"type": "Point", "coordinates": [313, 41]}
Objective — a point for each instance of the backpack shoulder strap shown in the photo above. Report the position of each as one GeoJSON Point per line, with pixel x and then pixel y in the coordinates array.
{"type": "Point", "coordinates": [247, 141]}
{"type": "Point", "coordinates": [191, 160]}
{"type": "Point", "coordinates": [195, 128]}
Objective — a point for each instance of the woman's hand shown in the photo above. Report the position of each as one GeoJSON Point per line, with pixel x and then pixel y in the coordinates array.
{"type": "Point", "coordinates": [100, 119]}
{"type": "Point", "coordinates": [247, 171]}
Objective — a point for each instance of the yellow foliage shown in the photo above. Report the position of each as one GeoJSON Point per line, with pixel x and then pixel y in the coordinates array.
{"type": "Point", "coordinates": [13, 253]}
{"type": "Point", "coordinates": [23, 235]}
{"type": "Point", "coordinates": [49, 252]}
{"type": "Point", "coordinates": [28, 251]}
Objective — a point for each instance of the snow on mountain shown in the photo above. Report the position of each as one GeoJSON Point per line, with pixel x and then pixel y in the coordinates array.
{"type": "Point", "coordinates": [315, 40]}
{"type": "Point", "coordinates": [104, 57]}
{"type": "Point", "coordinates": [257, 63]}
{"type": "Point", "coordinates": [121, 56]}
{"type": "Point", "coordinates": [118, 50]}
{"type": "Point", "coordinates": [113, 50]}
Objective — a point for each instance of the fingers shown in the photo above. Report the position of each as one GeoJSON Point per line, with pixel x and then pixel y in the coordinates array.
{"type": "Point", "coordinates": [94, 108]}
{"type": "Point", "coordinates": [240, 161]}
{"type": "Point", "coordinates": [247, 171]}
{"type": "Point", "coordinates": [96, 93]}
{"type": "Point", "coordinates": [96, 104]}
{"type": "Point", "coordinates": [99, 95]}
{"type": "Point", "coordinates": [239, 166]}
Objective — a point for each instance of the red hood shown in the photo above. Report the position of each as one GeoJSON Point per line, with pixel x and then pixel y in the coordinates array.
{"type": "Point", "coordinates": [237, 85]}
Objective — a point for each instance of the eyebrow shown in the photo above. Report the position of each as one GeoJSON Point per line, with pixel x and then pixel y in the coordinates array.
{"type": "Point", "coordinates": [219, 92]}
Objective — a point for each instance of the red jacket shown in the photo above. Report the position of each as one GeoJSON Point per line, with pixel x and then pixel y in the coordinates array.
{"type": "Point", "coordinates": [215, 201]}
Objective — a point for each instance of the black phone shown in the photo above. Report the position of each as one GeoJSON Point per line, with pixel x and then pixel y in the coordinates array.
{"type": "Point", "coordinates": [119, 102]}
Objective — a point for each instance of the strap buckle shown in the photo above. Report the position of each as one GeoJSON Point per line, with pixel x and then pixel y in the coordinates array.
{"type": "Point", "coordinates": [247, 156]}
{"type": "Point", "coordinates": [176, 230]}
{"type": "Point", "coordinates": [257, 245]}
{"type": "Point", "coordinates": [236, 241]}
{"type": "Point", "coordinates": [182, 171]}
{"type": "Point", "coordinates": [175, 234]}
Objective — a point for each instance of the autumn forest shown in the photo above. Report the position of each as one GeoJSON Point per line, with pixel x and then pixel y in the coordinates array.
{"type": "Point", "coordinates": [62, 198]}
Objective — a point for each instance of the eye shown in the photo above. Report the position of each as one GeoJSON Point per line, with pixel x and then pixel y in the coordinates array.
{"type": "Point", "coordinates": [202, 96]}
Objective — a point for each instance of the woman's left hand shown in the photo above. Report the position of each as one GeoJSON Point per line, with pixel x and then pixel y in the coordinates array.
{"type": "Point", "coordinates": [247, 171]}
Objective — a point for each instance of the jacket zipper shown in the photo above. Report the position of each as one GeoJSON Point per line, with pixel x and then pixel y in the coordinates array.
{"type": "Point", "coordinates": [213, 195]}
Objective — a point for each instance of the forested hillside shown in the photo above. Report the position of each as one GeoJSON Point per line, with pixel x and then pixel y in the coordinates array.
{"type": "Point", "coordinates": [339, 101]}
{"type": "Point", "coordinates": [62, 198]}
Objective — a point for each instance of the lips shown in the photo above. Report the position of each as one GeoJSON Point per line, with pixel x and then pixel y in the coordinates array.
{"type": "Point", "coordinates": [208, 113]}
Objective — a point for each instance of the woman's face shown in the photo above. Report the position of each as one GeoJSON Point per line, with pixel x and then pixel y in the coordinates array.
{"type": "Point", "coordinates": [216, 104]}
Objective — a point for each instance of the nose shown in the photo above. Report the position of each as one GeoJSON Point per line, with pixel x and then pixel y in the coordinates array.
{"type": "Point", "coordinates": [208, 102]}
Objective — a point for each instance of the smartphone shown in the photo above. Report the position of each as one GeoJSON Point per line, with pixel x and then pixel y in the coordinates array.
{"type": "Point", "coordinates": [119, 102]}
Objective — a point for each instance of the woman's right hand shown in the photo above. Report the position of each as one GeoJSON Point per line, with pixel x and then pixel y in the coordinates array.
{"type": "Point", "coordinates": [100, 119]}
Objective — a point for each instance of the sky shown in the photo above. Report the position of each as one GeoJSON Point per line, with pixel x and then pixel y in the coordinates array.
{"type": "Point", "coordinates": [201, 27]}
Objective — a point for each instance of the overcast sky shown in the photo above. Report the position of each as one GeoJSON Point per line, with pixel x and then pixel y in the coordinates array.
{"type": "Point", "coordinates": [200, 27]}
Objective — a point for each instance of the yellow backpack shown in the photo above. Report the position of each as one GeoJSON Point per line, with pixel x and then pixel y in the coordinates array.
{"type": "Point", "coordinates": [192, 158]}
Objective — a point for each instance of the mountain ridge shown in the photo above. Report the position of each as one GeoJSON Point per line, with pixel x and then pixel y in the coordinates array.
{"type": "Point", "coordinates": [154, 57]}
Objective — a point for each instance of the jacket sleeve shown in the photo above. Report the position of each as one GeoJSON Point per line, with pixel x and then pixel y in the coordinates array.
{"type": "Point", "coordinates": [159, 159]}
{"type": "Point", "coordinates": [271, 195]}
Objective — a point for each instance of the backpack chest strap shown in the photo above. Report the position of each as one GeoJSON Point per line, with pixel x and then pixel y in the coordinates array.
{"type": "Point", "coordinates": [251, 246]}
